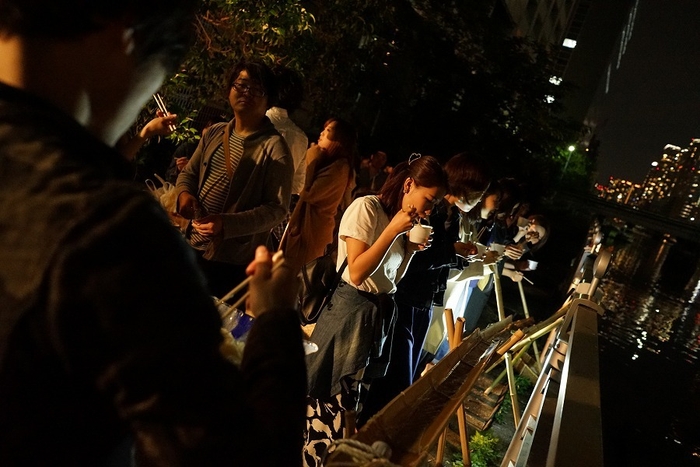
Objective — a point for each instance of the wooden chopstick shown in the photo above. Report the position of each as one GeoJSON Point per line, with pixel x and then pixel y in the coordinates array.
{"type": "Point", "coordinates": [161, 106]}
{"type": "Point", "coordinates": [278, 255]}
{"type": "Point", "coordinates": [277, 261]}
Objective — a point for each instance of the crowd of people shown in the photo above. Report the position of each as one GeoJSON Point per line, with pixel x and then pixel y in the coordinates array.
{"type": "Point", "coordinates": [110, 340]}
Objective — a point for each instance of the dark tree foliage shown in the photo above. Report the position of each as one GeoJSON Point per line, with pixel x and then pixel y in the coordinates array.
{"type": "Point", "coordinates": [431, 76]}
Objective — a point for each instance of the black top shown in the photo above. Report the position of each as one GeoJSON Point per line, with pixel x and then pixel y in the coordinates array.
{"type": "Point", "coordinates": [426, 278]}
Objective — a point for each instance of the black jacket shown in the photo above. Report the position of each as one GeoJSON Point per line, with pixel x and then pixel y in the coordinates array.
{"type": "Point", "coordinates": [107, 332]}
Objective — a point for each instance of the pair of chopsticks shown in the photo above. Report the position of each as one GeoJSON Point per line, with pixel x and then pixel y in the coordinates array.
{"type": "Point", "coordinates": [526, 279]}
{"type": "Point", "coordinates": [277, 261]}
{"type": "Point", "coordinates": [161, 106]}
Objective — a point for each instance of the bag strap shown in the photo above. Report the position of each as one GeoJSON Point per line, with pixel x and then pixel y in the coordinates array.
{"type": "Point", "coordinates": [227, 152]}
{"type": "Point", "coordinates": [339, 275]}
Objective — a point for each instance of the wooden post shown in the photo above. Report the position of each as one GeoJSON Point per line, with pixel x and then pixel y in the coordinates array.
{"type": "Point", "coordinates": [499, 292]}
{"type": "Point", "coordinates": [461, 417]}
{"type": "Point", "coordinates": [509, 365]}
{"type": "Point", "coordinates": [527, 315]}
{"type": "Point", "coordinates": [449, 322]}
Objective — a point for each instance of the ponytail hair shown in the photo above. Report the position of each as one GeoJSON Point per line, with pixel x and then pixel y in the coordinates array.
{"type": "Point", "coordinates": [425, 171]}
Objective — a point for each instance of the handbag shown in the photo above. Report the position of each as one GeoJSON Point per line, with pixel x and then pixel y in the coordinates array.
{"type": "Point", "coordinates": [319, 280]}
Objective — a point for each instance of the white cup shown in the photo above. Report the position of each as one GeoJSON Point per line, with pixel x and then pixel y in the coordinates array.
{"type": "Point", "coordinates": [420, 233]}
{"type": "Point", "coordinates": [531, 265]}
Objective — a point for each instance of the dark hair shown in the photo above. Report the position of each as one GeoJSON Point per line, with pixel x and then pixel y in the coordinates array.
{"type": "Point", "coordinates": [467, 174]}
{"type": "Point", "coordinates": [510, 195]}
{"type": "Point", "coordinates": [474, 215]}
{"type": "Point", "coordinates": [544, 222]}
{"type": "Point", "coordinates": [162, 29]}
{"type": "Point", "coordinates": [260, 73]}
{"type": "Point", "coordinates": [290, 89]}
{"type": "Point", "coordinates": [345, 134]}
{"type": "Point", "coordinates": [425, 171]}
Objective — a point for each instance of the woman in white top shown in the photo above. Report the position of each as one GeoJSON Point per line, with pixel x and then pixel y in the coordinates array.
{"type": "Point", "coordinates": [351, 332]}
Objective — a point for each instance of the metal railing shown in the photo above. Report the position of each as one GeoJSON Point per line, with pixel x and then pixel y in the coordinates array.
{"type": "Point", "coordinates": [562, 424]}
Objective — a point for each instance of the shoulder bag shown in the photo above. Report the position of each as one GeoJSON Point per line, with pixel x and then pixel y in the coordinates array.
{"type": "Point", "coordinates": [319, 280]}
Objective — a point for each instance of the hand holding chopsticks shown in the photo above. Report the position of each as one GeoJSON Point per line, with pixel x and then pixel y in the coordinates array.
{"type": "Point", "coordinates": [277, 262]}
{"type": "Point", "coordinates": [161, 106]}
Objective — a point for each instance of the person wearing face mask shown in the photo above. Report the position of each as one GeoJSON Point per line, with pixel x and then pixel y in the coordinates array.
{"type": "Point", "coordinates": [461, 282]}
{"type": "Point", "coordinates": [425, 281]}
{"type": "Point", "coordinates": [353, 332]}
{"type": "Point", "coordinates": [329, 176]}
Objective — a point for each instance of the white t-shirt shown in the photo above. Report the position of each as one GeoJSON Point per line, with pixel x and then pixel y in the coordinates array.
{"type": "Point", "coordinates": [297, 141]}
{"type": "Point", "coordinates": [365, 220]}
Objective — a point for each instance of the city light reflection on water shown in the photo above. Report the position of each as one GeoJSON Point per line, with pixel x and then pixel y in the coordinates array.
{"type": "Point", "coordinates": [649, 348]}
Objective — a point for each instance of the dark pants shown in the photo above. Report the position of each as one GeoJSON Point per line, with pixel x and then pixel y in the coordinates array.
{"type": "Point", "coordinates": [221, 277]}
{"type": "Point", "coordinates": [409, 335]}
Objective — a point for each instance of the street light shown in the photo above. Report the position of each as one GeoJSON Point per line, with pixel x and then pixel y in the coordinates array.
{"type": "Point", "coordinates": [571, 149]}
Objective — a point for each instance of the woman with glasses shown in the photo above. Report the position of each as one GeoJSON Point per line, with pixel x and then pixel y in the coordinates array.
{"type": "Point", "coordinates": [424, 283]}
{"type": "Point", "coordinates": [353, 331]}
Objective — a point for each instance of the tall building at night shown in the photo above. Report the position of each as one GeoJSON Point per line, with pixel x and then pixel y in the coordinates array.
{"type": "Point", "coordinates": [686, 193]}
{"type": "Point", "coordinates": [672, 185]}
{"type": "Point", "coordinates": [582, 35]}
{"type": "Point", "coordinates": [662, 176]}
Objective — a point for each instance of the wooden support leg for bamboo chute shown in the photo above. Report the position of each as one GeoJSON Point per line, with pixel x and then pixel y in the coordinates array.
{"type": "Point", "coordinates": [461, 417]}
{"type": "Point", "coordinates": [449, 322]}
{"type": "Point", "coordinates": [527, 315]}
{"type": "Point", "coordinates": [499, 292]}
{"type": "Point", "coordinates": [509, 364]}
{"type": "Point", "coordinates": [503, 373]}
{"type": "Point", "coordinates": [455, 333]}
{"type": "Point", "coordinates": [513, 390]}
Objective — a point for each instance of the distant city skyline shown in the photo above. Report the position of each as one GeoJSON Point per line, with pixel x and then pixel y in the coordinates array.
{"type": "Point", "coordinates": [654, 95]}
{"type": "Point", "coordinates": [671, 186]}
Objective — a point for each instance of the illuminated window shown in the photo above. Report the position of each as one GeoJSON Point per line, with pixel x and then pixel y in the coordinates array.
{"type": "Point", "coordinates": [569, 43]}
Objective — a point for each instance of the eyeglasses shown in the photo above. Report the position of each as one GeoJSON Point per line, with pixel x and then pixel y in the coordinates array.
{"type": "Point", "coordinates": [255, 91]}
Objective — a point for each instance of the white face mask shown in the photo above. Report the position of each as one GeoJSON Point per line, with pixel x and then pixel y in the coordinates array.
{"type": "Point", "coordinates": [469, 202]}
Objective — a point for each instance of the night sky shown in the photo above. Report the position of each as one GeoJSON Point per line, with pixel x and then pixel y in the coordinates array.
{"type": "Point", "coordinates": [654, 96]}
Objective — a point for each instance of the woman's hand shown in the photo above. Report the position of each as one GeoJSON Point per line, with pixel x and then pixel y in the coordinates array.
{"type": "Point", "coordinates": [514, 252]}
{"type": "Point", "coordinates": [402, 222]}
{"type": "Point", "coordinates": [466, 249]}
{"type": "Point", "coordinates": [413, 247]}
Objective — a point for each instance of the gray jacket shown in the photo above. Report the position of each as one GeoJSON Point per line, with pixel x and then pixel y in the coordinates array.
{"type": "Point", "coordinates": [259, 194]}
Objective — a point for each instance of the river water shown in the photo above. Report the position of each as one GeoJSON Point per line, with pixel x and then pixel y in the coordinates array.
{"type": "Point", "coordinates": [649, 350]}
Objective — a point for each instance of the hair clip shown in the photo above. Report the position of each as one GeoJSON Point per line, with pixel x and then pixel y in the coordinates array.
{"type": "Point", "coordinates": [413, 157]}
